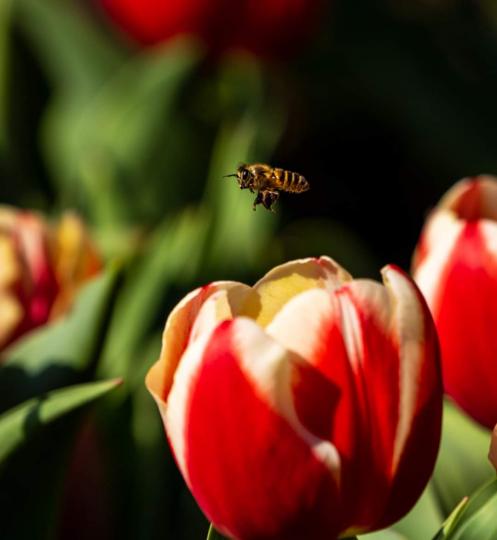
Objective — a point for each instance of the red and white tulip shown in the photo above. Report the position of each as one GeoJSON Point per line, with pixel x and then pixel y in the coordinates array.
{"type": "Point", "coordinates": [307, 406]}
{"type": "Point", "coordinates": [455, 266]}
{"type": "Point", "coordinates": [41, 266]}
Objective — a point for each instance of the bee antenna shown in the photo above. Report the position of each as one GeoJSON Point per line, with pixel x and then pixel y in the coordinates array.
{"type": "Point", "coordinates": [228, 175]}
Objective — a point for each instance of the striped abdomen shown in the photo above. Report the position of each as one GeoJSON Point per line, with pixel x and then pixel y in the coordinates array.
{"type": "Point", "coordinates": [290, 181]}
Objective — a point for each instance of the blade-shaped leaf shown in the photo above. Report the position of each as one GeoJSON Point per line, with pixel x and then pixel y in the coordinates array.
{"type": "Point", "coordinates": [214, 535]}
{"type": "Point", "coordinates": [63, 352]}
{"type": "Point", "coordinates": [473, 518]}
{"type": "Point", "coordinates": [19, 424]}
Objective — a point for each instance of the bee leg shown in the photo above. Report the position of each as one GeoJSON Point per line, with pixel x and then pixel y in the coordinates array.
{"type": "Point", "coordinates": [258, 200]}
{"type": "Point", "coordinates": [269, 199]}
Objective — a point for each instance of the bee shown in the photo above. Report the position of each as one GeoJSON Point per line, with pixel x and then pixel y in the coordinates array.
{"type": "Point", "coordinates": [268, 182]}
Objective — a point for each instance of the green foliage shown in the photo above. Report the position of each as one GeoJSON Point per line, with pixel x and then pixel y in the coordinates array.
{"type": "Point", "coordinates": [75, 54]}
{"type": "Point", "coordinates": [173, 256]}
{"type": "Point", "coordinates": [18, 425]}
{"type": "Point", "coordinates": [63, 353]}
{"type": "Point", "coordinates": [462, 467]}
{"type": "Point", "coordinates": [474, 518]}
{"type": "Point", "coordinates": [462, 464]}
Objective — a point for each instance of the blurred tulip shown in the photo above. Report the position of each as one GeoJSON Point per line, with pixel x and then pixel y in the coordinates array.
{"type": "Point", "coordinates": [40, 269]}
{"type": "Point", "coordinates": [265, 27]}
{"type": "Point", "coordinates": [308, 406]}
{"type": "Point", "coordinates": [455, 266]}
{"type": "Point", "coordinates": [76, 259]}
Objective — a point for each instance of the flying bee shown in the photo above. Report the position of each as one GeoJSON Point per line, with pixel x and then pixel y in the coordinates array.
{"type": "Point", "coordinates": [268, 182]}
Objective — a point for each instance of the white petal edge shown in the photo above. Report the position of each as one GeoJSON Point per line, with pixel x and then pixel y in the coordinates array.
{"type": "Point", "coordinates": [268, 365]}
{"type": "Point", "coordinates": [178, 329]}
{"type": "Point", "coordinates": [409, 320]}
{"type": "Point", "coordinates": [441, 234]}
{"type": "Point", "coordinates": [298, 325]}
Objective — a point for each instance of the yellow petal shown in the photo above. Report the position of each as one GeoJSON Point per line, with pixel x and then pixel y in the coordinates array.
{"type": "Point", "coordinates": [12, 314]}
{"type": "Point", "coordinates": [76, 259]}
{"type": "Point", "coordinates": [284, 282]}
{"type": "Point", "coordinates": [10, 270]}
{"type": "Point", "coordinates": [197, 314]}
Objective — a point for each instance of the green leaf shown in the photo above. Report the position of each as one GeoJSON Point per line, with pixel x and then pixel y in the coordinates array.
{"type": "Point", "coordinates": [125, 147]}
{"type": "Point", "coordinates": [63, 352]}
{"type": "Point", "coordinates": [423, 520]}
{"type": "Point", "coordinates": [473, 519]}
{"type": "Point", "coordinates": [385, 534]}
{"type": "Point", "coordinates": [172, 257]}
{"type": "Point", "coordinates": [462, 464]}
{"type": "Point", "coordinates": [249, 132]}
{"type": "Point", "coordinates": [214, 535]}
{"type": "Point", "coordinates": [19, 424]}
{"type": "Point", "coordinates": [75, 53]}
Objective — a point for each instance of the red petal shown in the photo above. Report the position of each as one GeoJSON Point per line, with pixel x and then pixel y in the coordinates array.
{"type": "Point", "coordinates": [465, 310]}
{"type": "Point", "coordinates": [253, 475]}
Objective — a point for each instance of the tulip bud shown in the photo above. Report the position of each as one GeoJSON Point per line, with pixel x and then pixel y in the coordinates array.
{"type": "Point", "coordinates": [265, 27]}
{"type": "Point", "coordinates": [40, 269]}
{"type": "Point", "coordinates": [455, 266]}
{"type": "Point", "coordinates": [307, 406]}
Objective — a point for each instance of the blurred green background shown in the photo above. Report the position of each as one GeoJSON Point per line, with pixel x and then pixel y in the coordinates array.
{"type": "Point", "coordinates": [384, 107]}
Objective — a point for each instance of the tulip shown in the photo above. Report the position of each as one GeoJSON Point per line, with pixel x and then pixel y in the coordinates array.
{"type": "Point", "coordinates": [455, 266]}
{"type": "Point", "coordinates": [265, 27]}
{"type": "Point", "coordinates": [41, 267]}
{"type": "Point", "coordinates": [307, 406]}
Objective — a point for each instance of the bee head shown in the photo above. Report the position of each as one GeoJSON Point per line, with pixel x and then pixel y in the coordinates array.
{"type": "Point", "coordinates": [244, 176]}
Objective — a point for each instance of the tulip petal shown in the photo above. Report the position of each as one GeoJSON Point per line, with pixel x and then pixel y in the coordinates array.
{"type": "Point", "coordinates": [458, 276]}
{"type": "Point", "coordinates": [437, 242]}
{"type": "Point", "coordinates": [468, 289]}
{"type": "Point", "coordinates": [290, 279]}
{"type": "Point", "coordinates": [273, 477]}
{"type": "Point", "coordinates": [400, 373]}
{"type": "Point", "coordinates": [472, 199]}
{"type": "Point", "coordinates": [376, 344]}
{"type": "Point", "coordinates": [76, 259]}
{"type": "Point", "coordinates": [182, 323]}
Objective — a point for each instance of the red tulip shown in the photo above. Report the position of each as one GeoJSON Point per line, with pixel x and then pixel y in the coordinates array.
{"type": "Point", "coordinates": [308, 406]}
{"type": "Point", "coordinates": [455, 266]}
{"type": "Point", "coordinates": [265, 27]}
{"type": "Point", "coordinates": [40, 268]}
